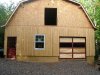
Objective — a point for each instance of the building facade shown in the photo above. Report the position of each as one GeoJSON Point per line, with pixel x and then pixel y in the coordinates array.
{"type": "Point", "coordinates": [49, 30]}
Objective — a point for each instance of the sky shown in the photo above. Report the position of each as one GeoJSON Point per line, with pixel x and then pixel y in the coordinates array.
{"type": "Point", "coordinates": [9, 1]}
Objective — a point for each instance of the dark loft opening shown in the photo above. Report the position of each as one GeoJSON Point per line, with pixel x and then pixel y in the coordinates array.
{"type": "Point", "coordinates": [50, 16]}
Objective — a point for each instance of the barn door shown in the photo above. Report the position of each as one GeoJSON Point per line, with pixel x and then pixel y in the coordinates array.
{"type": "Point", "coordinates": [11, 47]}
{"type": "Point", "coordinates": [72, 48]}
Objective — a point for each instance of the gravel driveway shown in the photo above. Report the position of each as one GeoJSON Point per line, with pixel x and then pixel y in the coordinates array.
{"type": "Point", "coordinates": [66, 67]}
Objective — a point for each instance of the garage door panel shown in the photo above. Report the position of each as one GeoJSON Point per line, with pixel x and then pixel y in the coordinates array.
{"type": "Point", "coordinates": [66, 50]}
{"type": "Point", "coordinates": [65, 39]}
{"type": "Point", "coordinates": [65, 55]}
{"type": "Point", "coordinates": [78, 39]}
{"type": "Point", "coordinates": [79, 50]}
{"type": "Point", "coordinates": [72, 48]}
{"type": "Point", "coordinates": [78, 55]}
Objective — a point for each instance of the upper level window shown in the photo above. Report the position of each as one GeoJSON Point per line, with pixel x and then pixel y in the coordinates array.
{"type": "Point", "coordinates": [39, 42]}
{"type": "Point", "coordinates": [50, 16]}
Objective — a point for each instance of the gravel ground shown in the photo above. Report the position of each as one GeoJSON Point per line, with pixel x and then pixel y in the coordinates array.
{"type": "Point", "coordinates": [65, 67]}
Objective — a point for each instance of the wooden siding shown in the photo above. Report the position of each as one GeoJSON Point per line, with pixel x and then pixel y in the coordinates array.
{"type": "Point", "coordinates": [25, 39]}
{"type": "Point", "coordinates": [29, 20]}
{"type": "Point", "coordinates": [69, 15]}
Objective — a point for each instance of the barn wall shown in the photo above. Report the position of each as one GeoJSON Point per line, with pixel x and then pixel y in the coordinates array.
{"type": "Point", "coordinates": [25, 39]}
{"type": "Point", "coordinates": [69, 15]}
{"type": "Point", "coordinates": [29, 20]}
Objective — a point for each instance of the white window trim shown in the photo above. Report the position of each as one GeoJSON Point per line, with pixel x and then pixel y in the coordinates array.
{"type": "Point", "coordinates": [35, 42]}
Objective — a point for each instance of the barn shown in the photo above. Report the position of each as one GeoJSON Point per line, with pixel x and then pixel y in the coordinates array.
{"type": "Point", "coordinates": [49, 30]}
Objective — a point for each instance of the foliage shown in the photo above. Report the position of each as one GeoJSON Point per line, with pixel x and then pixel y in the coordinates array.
{"type": "Point", "coordinates": [3, 15]}
{"type": "Point", "coordinates": [3, 19]}
{"type": "Point", "coordinates": [93, 9]}
{"type": "Point", "coordinates": [5, 12]}
{"type": "Point", "coordinates": [97, 18]}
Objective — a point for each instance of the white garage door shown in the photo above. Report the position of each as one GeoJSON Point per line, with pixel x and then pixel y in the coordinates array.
{"type": "Point", "coordinates": [72, 48]}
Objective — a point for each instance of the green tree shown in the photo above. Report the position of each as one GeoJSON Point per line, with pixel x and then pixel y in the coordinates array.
{"type": "Point", "coordinates": [97, 18]}
{"type": "Point", "coordinates": [93, 9]}
{"type": "Point", "coordinates": [3, 19]}
{"type": "Point", "coordinates": [5, 12]}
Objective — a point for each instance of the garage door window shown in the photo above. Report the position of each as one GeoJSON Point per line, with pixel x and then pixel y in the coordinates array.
{"type": "Point", "coordinates": [39, 42]}
{"type": "Point", "coordinates": [65, 45]}
{"type": "Point", "coordinates": [79, 45]}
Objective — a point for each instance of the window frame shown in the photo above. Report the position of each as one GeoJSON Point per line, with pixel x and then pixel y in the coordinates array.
{"type": "Point", "coordinates": [39, 41]}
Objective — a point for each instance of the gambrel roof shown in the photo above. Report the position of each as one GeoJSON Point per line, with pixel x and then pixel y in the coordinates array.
{"type": "Point", "coordinates": [74, 2]}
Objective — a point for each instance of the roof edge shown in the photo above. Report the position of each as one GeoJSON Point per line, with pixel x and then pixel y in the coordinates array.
{"type": "Point", "coordinates": [87, 15]}
{"type": "Point", "coordinates": [93, 25]}
{"type": "Point", "coordinates": [14, 12]}
{"type": "Point", "coordinates": [75, 2]}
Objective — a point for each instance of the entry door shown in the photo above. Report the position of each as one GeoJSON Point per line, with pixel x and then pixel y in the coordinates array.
{"type": "Point", "coordinates": [72, 48]}
{"type": "Point", "coordinates": [11, 47]}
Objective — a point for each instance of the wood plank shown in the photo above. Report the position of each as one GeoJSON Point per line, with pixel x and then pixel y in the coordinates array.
{"type": "Point", "coordinates": [66, 50]}
{"type": "Point", "coordinates": [55, 41]}
{"type": "Point", "coordinates": [78, 39]}
{"type": "Point", "coordinates": [65, 55]}
{"type": "Point", "coordinates": [78, 55]}
{"type": "Point", "coordinates": [78, 50]}
{"type": "Point", "coordinates": [65, 39]}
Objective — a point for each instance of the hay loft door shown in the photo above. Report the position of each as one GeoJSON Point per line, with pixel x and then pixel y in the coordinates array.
{"type": "Point", "coordinates": [11, 47]}
{"type": "Point", "coordinates": [73, 48]}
